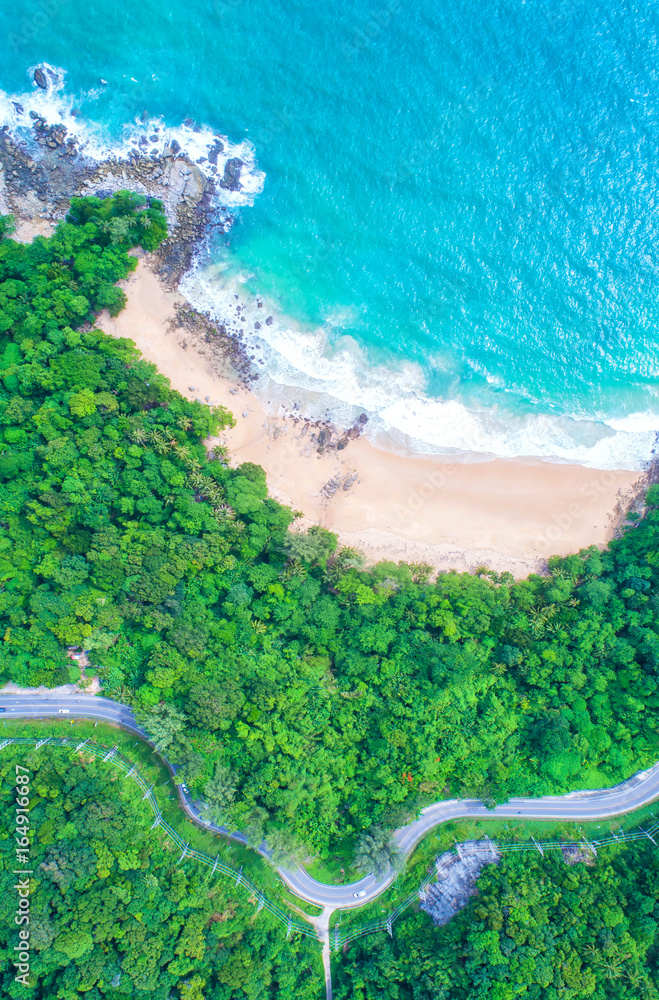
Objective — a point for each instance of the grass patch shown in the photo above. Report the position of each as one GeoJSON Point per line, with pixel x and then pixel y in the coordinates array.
{"type": "Point", "coordinates": [329, 869]}
{"type": "Point", "coordinates": [295, 901]}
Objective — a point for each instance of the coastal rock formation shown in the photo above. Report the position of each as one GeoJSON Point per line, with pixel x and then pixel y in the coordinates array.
{"type": "Point", "coordinates": [217, 147]}
{"type": "Point", "coordinates": [40, 78]}
{"type": "Point", "coordinates": [231, 179]}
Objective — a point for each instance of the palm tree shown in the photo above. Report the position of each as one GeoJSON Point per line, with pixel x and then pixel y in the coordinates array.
{"type": "Point", "coordinates": [376, 852]}
{"type": "Point", "coordinates": [184, 423]}
{"type": "Point", "coordinates": [138, 435]}
{"type": "Point", "coordinates": [293, 568]}
{"type": "Point", "coordinates": [421, 572]}
{"type": "Point", "coordinates": [162, 447]}
{"type": "Point", "coordinates": [181, 451]}
{"type": "Point", "coordinates": [224, 513]}
{"type": "Point", "coordinates": [215, 494]}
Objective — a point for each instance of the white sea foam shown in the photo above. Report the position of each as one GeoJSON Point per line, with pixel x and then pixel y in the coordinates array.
{"type": "Point", "coordinates": [330, 377]}
{"type": "Point", "coordinates": [57, 105]}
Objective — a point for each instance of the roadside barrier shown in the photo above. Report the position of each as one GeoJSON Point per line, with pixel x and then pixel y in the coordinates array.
{"type": "Point", "coordinates": [337, 939]}
{"type": "Point", "coordinates": [115, 759]}
{"type": "Point", "coordinates": [386, 923]}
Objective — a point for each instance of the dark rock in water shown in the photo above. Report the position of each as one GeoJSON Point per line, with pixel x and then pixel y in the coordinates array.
{"type": "Point", "coordinates": [175, 146]}
{"type": "Point", "coordinates": [231, 179]}
{"type": "Point", "coordinates": [18, 107]}
{"type": "Point", "coordinates": [189, 122]}
{"type": "Point", "coordinates": [354, 432]}
{"type": "Point", "coordinates": [34, 116]}
{"type": "Point", "coordinates": [153, 138]}
{"type": "Point", "coordinates": [268, 321]}
{"type": "Point", "coordinates": [40, 78]}
{"type": "Point", "coordinates": [363, 419]}
{"type": "Point", "coordinates": [217, 147]}
{"type": "Point", "coordinates": [75, 113]}
{"type": "Point", "coordinates": [323, 437]}
{"type": "Point", "coordinates": [343, 443]}
{"type": "Point", "coordinates": [257, 325]}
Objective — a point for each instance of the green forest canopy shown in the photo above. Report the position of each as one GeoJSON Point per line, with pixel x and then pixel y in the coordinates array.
{"type": "Point", "coordinates": [302, 694]}
{"type": "Point", "coordinates": [539, 929]}
{"type": "Point", "coordinates": [118, 916]}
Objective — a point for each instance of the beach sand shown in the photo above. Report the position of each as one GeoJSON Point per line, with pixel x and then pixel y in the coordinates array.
{"type": "Point", "coordinates": [508, 515]}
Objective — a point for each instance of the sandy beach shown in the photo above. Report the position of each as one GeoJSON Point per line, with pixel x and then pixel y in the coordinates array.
{"type": "Point", "coordinates": [508, 515]}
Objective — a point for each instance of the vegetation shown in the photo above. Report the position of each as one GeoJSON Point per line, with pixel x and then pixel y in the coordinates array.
{"type": "Point", "coordinates": [539, 928]}
{"type": "Point", "coordinates": [307, 698]}
{"type": "Point", "coordinates": [117, 916]}
{"type": "Point", "coordinates": [376, 852]}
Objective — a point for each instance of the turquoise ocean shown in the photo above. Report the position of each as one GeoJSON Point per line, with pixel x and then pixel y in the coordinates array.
{"type": "Point", "coordinates": [450, 207]}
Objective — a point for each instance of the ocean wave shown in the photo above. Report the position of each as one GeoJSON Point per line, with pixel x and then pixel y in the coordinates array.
{"type": "Point", "coordinates": [209, 149]}
{"type": "Point", "coordinates": [329, 377]}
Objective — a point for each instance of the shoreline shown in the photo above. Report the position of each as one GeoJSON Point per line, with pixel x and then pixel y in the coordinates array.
{"type": "Point", "coordinates": [510, 515]}
{"type": "Point", "coordinates": [507, 514]}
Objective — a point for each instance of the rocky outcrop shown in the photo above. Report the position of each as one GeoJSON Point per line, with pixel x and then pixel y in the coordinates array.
{"type": "Point", "coordinates": [40, 78]}
{"type": "Point", "coordinates": [456, 879]}
{"type": "Point", "coordinates": [231, 179]}
{"type": "Point", "coordinates": [215, 150]}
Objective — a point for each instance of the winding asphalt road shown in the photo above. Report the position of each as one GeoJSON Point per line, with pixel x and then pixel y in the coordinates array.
{"type": "Point", "coordinates": [604, 803]}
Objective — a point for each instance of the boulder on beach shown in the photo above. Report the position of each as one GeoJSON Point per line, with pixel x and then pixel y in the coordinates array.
{"type": "Point", "coordinates": [40, 78]}
{"type": "Point", "coordinates": [231, 179]}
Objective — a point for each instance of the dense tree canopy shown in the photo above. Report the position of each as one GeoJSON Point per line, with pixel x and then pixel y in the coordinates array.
{"type": "Point", "coordinates": [300, 693]}
{"type": "Point", "coordinates": [538, 928]}
{"type": "Point", "coordinates": [114, 914]}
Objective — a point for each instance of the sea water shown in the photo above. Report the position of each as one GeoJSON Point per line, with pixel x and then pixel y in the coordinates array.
{"type": "Point", "coordinates": [450, 208]}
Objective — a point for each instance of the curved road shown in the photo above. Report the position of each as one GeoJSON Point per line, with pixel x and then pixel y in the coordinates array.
{"type": "Point", "coordinates": [604, 803]}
